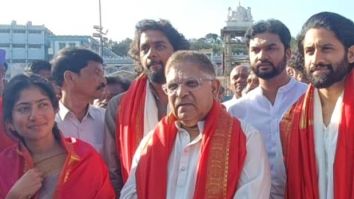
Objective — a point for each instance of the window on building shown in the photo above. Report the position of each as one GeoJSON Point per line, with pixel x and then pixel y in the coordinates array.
{"type": "Point", "coordinates": [72, 45]}
{"type": "Point", "coordinates": [4, 45]}
{"type": "Point", "coordinates": [18, 61]}
{"type": "Point", "coordinates": [4, 30]}
{"type": "Point", "coordinates": [34, 45]}
{"type": "Point", "coordinates": [62, 45]}
{"type": "Point", "coordinates": [19, 31]}
{"type": "Point", "coordinates": [18, 45]}
{"type": "Point", "coordinates": [35, 31]}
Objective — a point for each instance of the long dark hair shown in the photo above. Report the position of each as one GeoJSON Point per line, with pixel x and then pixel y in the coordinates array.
{"type": "Point", "coordinates": [342, 27]}
{"type": "Point", "coordinates": [177, 39]}
{"type": "Point", "coordinates": [22, 82]}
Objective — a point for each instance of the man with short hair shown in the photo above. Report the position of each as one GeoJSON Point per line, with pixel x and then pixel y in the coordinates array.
{"type": "Point", "coordinates": [318, 132]}
{"type": "Point", "coordinates": [268, 44]}
{"type": "Point", "coordinates": [238, 81]}
{"type": "Point", "coordinates": [252, 83]}
{"type": "Point", "coordinates": [43, 68]}
{"type": "Point", "coordinates": [79, 73]}
{"type": "Point", "coordinates": [198, 150]}
{"type": "Point", "coordinates": [115, 85]}
{"type": "Point", "coordinates": [40, 67]}
{"type": "Point", "coordinates": [296, 65]}
{"type": "Point", "coordinates": [131, 115]}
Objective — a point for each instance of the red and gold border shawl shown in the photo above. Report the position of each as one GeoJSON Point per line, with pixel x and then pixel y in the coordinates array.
{"type": "Point", "coordinates": [223, 152]}
{"type": "Point", "coordinates": [297, 133]}
{"type": "Point", "coordinates": [130, 117]}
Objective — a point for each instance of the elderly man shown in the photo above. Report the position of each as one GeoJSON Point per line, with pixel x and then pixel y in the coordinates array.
{"type": "Point", "coordinates": [318, 132]}
{"type": "Point", "coordinates": [238, 82]}
{"type": "Point", "coordinates": [198, 150]}
{"type": "Point", "coordinates": [269, 49]}
{"type": "Point", "coordinates": [131, 115]}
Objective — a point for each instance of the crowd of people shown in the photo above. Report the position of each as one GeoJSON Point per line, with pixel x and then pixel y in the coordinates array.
{"type": "Point", "coordinates": [67, 131]}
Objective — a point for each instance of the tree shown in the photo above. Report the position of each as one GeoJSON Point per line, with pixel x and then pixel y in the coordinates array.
{"type": "Point", "coordinates": [201, 43]}
{"type": "Point", "coordinates": [121, 48]}
{"type": "Point", "coordinates": [211, 40]}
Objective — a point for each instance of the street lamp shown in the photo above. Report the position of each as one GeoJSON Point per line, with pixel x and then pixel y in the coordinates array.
{"type": "Point", "coordinates": [99, 30]}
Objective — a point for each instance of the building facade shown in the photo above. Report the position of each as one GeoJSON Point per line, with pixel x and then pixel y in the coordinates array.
{"type": "Point", "coordinates": [25, 43]}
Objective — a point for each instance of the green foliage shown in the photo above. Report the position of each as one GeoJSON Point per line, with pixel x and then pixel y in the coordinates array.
{"type": "Point", "coordinates": [121, 48]}
{"type": "Point", "coordinates": [211, 40]}
{"type": "Point", "coordinates": [293, 44]}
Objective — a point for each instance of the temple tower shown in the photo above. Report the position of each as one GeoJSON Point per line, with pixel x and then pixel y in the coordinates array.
{"type": "Point", "coordinates": [237, 23]}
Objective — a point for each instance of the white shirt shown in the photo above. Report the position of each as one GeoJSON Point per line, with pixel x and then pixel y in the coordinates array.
{"type": "Point", "coordinates": [230, 102]}
{"type": "Point", "coordinates": [90, 129]}
{"type": "Point", "coordinates": [326, 145]}
{"type": "Point", "coordinates": [255, 109]}
{"type": "Point", "coordinates": [182, 165]}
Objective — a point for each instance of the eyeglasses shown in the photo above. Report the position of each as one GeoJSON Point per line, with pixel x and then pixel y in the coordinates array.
{"type": "Point", "coordinates": [191, 84]}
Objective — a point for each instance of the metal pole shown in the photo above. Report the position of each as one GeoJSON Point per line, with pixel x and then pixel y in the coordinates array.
{"type": "Point", "coordinates": [100, 31]}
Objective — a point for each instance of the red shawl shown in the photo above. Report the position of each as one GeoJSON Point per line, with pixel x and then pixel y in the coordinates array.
{"type": "Point", "coordinates": [297, 134]}
{"type": "Point", "coordinates": [223, 152]}
{"type": "Point", "coordinates": [84, 174]}
{"type": "Point", "coordinates": [5, 140]}
{"type": "Point", "coordinates": [130, 117]}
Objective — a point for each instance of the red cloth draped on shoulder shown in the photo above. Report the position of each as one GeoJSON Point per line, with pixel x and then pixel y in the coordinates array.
{"type": "Point", "coordinates": [84, 174]}
{"type": "Point", "coordinates": [223, 152]}
{"type": "Point", "coordinates": [297, 133]}
{"type": "Point", "coordinates": [5, 140]}
{"type": "Point", "coordinates": [130, 117]}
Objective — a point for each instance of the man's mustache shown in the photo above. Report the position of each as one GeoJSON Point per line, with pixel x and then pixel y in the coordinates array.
{"type": "Point", "coordinates": [265, 62]}
{"type": "Point", "coordinates": [153, 63]}
{"type": "Point", "coordinates": [320, 65]}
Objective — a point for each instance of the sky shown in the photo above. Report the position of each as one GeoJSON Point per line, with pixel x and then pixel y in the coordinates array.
{"type": "Point", "coordinates": [193, 18]}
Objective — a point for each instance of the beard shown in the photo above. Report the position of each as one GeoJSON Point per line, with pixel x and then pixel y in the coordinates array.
{"type": "Point", "coordinates": [276, 69]}
{"type": "Point", "coordinates": [156, 76]}
{"type": "Point", "coordinates": [331, 76]}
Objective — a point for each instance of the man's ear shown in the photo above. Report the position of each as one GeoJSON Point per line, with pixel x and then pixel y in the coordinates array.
{"type": "Point", "coordinates": [215, 86]}
{"type": "Point", "coordinates": [288, 53]}
{"type": "Point", "coordinates": [68, 77]}
{"type": "Point", "coordinates": [350, 54]}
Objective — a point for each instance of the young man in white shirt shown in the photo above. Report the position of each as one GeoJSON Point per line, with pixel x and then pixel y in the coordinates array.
{"type": "Point", "coordinates": [268, 44]}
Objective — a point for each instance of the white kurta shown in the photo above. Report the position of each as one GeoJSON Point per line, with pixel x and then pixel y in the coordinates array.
{"type": "Point", "coordinates": [230, 102]}
{"type": "Point", "coordinates": [325, 145]}
{"type": "Point", "coordinates": [254, 180]}
{"type": "Point", "coordinates": [255, 109]}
